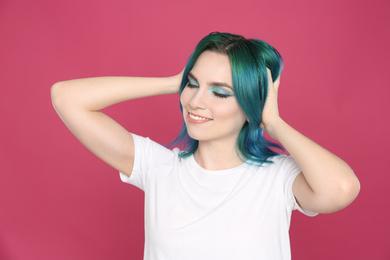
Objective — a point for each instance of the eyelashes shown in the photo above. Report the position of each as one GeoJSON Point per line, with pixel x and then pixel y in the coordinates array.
{"type": "Point", "coordinates": [215, 90]}
{"type": "Point", "coordinates": [192, 83]}
{"type": "Point", "coordinates": [221, 95]}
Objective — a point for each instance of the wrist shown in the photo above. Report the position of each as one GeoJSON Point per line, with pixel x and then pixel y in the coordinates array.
{"type": "Point", "coordinates": [174, 84]}
{"type": "Point", "coordinates": [274, 128]}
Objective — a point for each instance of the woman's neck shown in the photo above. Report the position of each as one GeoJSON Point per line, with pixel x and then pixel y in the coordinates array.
{"type": "Point", "coordinates": [217, 157]}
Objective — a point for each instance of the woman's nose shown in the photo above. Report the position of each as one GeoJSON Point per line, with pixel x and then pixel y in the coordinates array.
{"type": "Point", "coordinates": [198, 100]}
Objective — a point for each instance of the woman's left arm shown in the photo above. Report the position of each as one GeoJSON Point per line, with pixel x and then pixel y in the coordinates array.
{"type": "Point", "coordinates": [326, 183]}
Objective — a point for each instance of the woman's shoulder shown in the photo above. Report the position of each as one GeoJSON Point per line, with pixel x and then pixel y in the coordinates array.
{"type": "Point", "coordinates": [276, 160]}
{"type": "Point", "coordinates": [281, 158]}
{"type": "Point", "coordinates": [149, 147]}
{"type": "Point", "coordinates": [284, 161]}
{"type": "Point", "coordinates": [277, 164]}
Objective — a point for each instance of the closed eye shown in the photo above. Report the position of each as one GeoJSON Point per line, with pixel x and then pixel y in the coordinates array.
{"type": "Point", "coordinates": [192, 83]}
{"type": "Point", "coordinates": [220, 92]}
{"type": "Point", "coordinates": [221, 95]}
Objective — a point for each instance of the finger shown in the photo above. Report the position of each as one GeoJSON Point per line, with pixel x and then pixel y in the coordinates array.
{"type": "Point", "coordinates": [270, 81]}
{"type": "Point", "coordinates": [277, 83]}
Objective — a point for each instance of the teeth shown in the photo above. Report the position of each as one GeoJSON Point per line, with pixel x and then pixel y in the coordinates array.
{"type": "Point", "coordinates": [198, 117]}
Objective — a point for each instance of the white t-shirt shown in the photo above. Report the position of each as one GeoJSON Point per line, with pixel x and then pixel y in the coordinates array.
{"type": "Point", "coordinates": [193, 213]}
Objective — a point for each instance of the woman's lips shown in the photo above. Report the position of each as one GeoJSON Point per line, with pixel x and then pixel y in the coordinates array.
{"type": "Point", "coordinates": [196, 119]}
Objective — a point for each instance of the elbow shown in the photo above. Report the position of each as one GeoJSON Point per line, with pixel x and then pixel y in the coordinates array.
{"type": "Point", "coordinates": [346, 190]}
{"type": "Point", "coordinates": [57, 94]}
{"type": "Point", "coordinates": [334, 194]}
{"type": "Point", "coordinates": [345, 195]}
{"type": "Point", "coordinates": [350, 191]}
{"type": "Point", "coordinates": [54, 93]}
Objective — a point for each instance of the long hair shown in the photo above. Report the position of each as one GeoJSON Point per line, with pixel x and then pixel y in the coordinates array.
{"type": "Point", "coordinates": [249, 60]}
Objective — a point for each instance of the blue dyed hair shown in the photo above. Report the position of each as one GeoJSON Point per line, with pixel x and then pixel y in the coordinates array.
{"type": "Point", "coordinates": [249, 60]}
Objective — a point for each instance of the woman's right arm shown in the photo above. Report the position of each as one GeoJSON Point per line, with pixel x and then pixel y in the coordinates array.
{"type": "Point", "coordinates": [78, 103]}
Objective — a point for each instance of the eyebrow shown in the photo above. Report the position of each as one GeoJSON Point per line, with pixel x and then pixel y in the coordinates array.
{"type": "Point", "coordinates": [218, 84]}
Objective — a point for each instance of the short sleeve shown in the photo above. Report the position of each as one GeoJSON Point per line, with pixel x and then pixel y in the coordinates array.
{"type": "Point", "coordinates": [148, 156]}
{"type": "Point", "coordinates": [291, 170]}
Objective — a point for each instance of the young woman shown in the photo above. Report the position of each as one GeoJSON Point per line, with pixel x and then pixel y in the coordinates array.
{"type": "Point", "coordinates": [226, 195]}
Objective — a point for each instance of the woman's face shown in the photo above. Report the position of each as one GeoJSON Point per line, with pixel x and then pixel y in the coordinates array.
{"type": "Point", "coordinates": [210, 109]}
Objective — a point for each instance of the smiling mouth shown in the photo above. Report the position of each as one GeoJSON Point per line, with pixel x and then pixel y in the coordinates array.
{"type": "Point", "coordinates": [196, 117]}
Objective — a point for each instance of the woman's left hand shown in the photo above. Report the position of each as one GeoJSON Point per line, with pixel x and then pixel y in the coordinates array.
{"type": "Point", "coordinates": [270, 114]}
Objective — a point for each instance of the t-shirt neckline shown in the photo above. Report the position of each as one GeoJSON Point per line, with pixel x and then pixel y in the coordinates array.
{"type": "Point", "coordinates": [216, 172]}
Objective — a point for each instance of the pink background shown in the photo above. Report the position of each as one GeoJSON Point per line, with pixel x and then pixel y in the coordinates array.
{"type": "Point", "coordinates": [57, 201]}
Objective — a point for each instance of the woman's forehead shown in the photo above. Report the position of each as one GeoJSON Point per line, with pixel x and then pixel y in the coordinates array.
{"type": "Point", "coordinates": [213, 67]}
